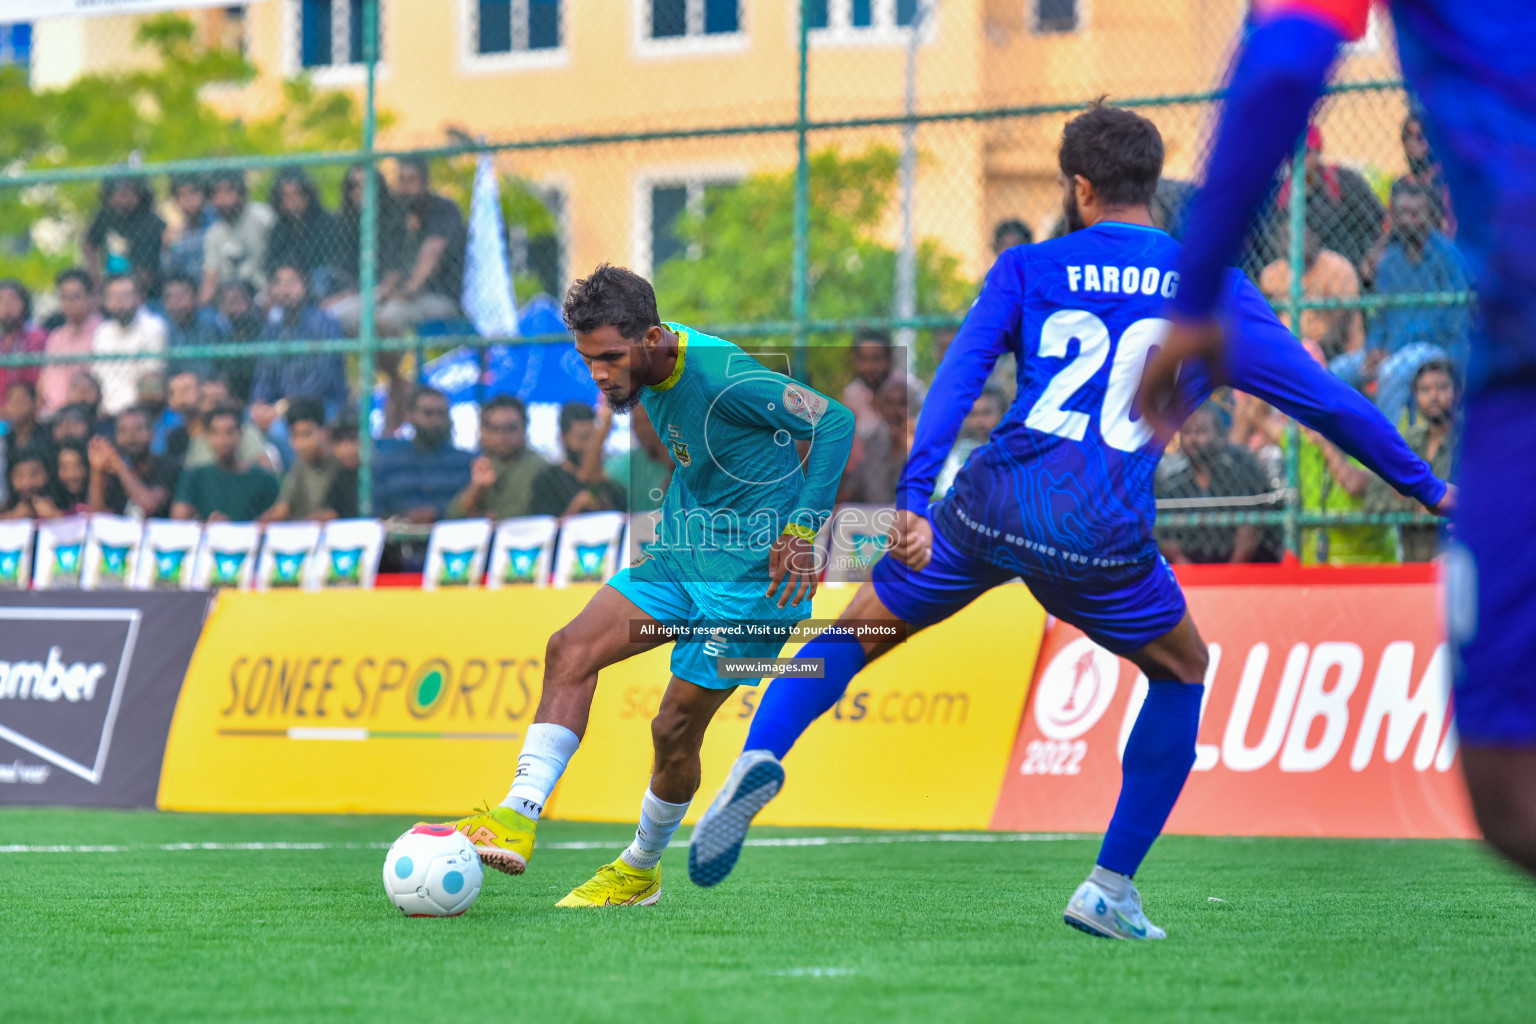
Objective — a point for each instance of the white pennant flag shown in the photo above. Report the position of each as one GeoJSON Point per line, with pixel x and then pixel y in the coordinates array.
{"type": "Point", "coordinates": [488, 300]}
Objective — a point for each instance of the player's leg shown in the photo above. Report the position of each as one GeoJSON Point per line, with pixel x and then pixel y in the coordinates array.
{"type": "Point", "coordinates": [598, 637]}
{"type": "Point", "coordinates": [895, 593]}
{"type": "Point", "coordinates": [1490, 580]}
{"type": "Point", "coordinates": [1147, 623]}
{"type": "Point", "coordinates": [677, 734]}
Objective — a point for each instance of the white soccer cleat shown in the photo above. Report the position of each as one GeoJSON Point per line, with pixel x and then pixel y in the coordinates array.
{"type": "Point", "coordinates": [755, 779]}
{"type": "Point", "coordinates": [1093, 910]}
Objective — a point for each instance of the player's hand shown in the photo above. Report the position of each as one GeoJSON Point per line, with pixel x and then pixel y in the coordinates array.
{"type": "Point", "coordinates": [1446, 506]}
{"type": "Point", "coordinates": [482, 474]}
{"type": "Point", "coordinates": [792, 562]}
{"type": "Point", "coordinates": [1158, 398]}
{"type": "Point", "coordinates": [102, 456]}
{"type": "Point", "coordinates": [911, 540]}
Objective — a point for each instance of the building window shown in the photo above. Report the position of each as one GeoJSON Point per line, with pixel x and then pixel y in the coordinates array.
{"type": "Point", "coordinates": [861, 20]}
{"type": "Point", "coordinates": [331, 33]}
{"type": "Point", "coordinates": [516, 26]}
{"type": "Point", "coordinates": [16, 44]}
{"type": "Point", "coordinates": [681, 19]}
{"type": "Point", "coordinates": [1056, 15]}
{"type": "Point", "coordinates": [541, 257]}
{"type": "Point", "coordinates": [668, 202]}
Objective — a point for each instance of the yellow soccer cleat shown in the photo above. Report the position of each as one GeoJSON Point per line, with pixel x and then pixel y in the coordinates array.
{"type": "Point", "coordinates": [617, 885]}
{"type": "Point", "coordinates": [502, 837]}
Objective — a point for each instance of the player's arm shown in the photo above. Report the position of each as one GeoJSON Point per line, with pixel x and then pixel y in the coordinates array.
{"type": "Point", "coordinates": [988, 330]}
{"type": "Point", "coordinates": [1263, 359]}
{"type": "Point", "coordinates": [780, 403]}
{"type": "Point", "coordinates": [989, 327]}
{"type": "Point", "coordinates": [1282, 68]}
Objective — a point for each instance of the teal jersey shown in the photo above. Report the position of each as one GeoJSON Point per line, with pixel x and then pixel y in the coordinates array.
{"type": "Point", "coordinates": [731, 425]}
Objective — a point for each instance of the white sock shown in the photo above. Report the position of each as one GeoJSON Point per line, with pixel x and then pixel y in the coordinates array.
{"type": "Point", "coordinates": [658, 820]}
{"type": "Point", "coordinates": [546, 751]}
{"type": "Point", "coordinates": [1112, 882]}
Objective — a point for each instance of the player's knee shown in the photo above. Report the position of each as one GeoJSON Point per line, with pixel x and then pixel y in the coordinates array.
{"type": "Point", "coordinates": [563, 659]}
{"type": "Point", "coordinates": [1196, 662]}
{"type": "Point", "coordinates": [670, 735]}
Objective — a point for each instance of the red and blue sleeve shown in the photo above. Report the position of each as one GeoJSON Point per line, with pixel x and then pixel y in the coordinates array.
{"type": "Point", "coordinates": [1282, 68]}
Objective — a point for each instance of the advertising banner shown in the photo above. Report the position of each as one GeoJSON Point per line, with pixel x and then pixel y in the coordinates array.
{"type": "Point", "coordinates": [402, 701]}
{"type": "Point", "coordinates": [167, 554]}
{"type": "Point", "coordinates": [456, 553]}
{"type": "Point", "coordinates": [590, 549]}
{"type": "Point", "coordinates": [348, 555]}
{"type": "Point", "coordinates": [227, 556]}
{"type": "Point", "coordinates": [287, 551]}
{"type": "Point", "coordinates": [111, 552]}
{"type": "Point", "coordinates": [522, 552]}
{"type": "Point", "coordinates": [88, 683]}
{"type": "Point", "coordinates": [16, 536]}
{"type": "Point", "coordinates": [1326, 714]}
{"type": "Point", "coordinates": [60, 544]}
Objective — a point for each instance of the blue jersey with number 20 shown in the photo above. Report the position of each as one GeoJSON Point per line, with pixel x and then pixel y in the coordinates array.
{"type": "Point", "coordinates": [1063, 489]}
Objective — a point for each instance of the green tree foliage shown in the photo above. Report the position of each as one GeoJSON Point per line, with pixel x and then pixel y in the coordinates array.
{"type": "Point", "coordinates": [739, 267]}
{"type": "Point", "coordinates": [152, 115]}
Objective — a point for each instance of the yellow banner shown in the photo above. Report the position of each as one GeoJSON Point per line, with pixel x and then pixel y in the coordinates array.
{"type": "Point", "coordinates": [397, 701]}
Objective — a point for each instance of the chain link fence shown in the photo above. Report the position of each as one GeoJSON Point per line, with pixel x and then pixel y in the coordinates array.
{"type": "Point", "coordinates": [285, 206]}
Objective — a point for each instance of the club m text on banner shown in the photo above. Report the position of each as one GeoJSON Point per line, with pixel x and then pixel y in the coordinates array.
{"type": "Point", "coordinates": [1326, 714]}
{"type": "Point", "coordinates": [400, 701]}
{"type": "Point", "coordinates": [88, 684]}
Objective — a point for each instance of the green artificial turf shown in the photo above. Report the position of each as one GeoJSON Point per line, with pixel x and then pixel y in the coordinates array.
{"type": "Point", "coordinates": [1271, 929]}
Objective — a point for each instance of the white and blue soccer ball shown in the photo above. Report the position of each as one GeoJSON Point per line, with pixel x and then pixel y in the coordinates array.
{"type": "Point", "coordinates": [432, 871]}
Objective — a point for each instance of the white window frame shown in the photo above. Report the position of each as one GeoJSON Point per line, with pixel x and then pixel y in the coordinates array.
{"type": "Point", "coordinates": [472, 61]}
{"type": "Point", "coordinates": [883, 30]}
{"type": "Point", "coordinates": [696, 42]}
{"type": "Point", "coordinates": [341, 22]}
{"type": "Point", "coordinates": [559, 184]}
{"type": "Point", "coordinates": [695, 179]}
{"type": "Point", "coordinates": [1032, 20]}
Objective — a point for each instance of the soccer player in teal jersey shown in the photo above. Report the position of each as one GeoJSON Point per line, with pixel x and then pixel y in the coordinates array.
{"type": "Point", "coordinates": [736, 549]}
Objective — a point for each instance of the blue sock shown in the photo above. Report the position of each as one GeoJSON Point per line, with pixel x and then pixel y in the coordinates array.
{"type": "Point", "coordinates": [790, 705]}
{"type": "Point", "coordinates": [1158, 757]}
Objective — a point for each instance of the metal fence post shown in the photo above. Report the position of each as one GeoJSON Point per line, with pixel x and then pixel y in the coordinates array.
{"type": "Point", "coordinates": [367, 265]}
{"type": "Point", "coordinates": [801, 268]}
{"type": "Point", "coordinates": [1296, 259]}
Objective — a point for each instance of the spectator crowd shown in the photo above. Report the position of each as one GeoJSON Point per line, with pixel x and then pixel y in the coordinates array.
{"type": "Point", "coordinates": [151, 403]}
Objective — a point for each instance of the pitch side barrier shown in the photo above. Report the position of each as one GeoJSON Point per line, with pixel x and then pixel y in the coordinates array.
{"type": "Point", "coordinates": [1327, 710]}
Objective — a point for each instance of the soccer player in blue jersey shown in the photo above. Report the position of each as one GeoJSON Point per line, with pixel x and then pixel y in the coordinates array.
{"type": "Point", "coordinates": [733, 564]}
{"type": "Point", "coordinates": [1061, 495]}
{"type": "Point", "coordinates": [1473, 67]}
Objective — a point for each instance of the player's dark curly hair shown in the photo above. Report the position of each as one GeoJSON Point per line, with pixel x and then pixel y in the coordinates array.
{"type": "Point", "coordinates": [611, 295]}
{"type": "Point", "coordinates": [1117, 150]}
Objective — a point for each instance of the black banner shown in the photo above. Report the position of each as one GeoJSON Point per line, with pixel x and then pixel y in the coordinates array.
{"type": "Point", "coordinates": [88, 685]}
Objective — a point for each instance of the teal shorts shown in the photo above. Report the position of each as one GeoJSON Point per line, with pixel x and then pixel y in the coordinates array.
{"type": "Point", "coordinates": [715, 617]}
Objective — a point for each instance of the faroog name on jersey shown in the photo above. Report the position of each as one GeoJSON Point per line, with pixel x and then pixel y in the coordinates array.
{"type": "Point", "coordinates": [1125, 280]}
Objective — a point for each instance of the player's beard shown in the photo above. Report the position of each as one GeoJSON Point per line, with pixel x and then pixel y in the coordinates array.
{"type": "Point", "coordinates": [1073, 215]}
{"type": "Point", "coordinates": [626, 403]}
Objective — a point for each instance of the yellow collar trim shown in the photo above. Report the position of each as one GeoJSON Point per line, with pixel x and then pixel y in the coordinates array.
{"type": "Point", "coordinates": [677, 371]}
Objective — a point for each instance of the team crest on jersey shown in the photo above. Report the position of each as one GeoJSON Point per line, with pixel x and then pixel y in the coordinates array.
{"type": "Point", "coordinates": [807, 405]}
{"type": "Point", "coordinates": [680, 450]}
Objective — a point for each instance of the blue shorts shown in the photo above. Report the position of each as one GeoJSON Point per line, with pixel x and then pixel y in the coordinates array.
{"type": "Point", "coordinates": [1121, 619]}
{"type": "Point", "coordinates": [714, 613]}
{"type": "Point", "coordinates": [1490, 578]}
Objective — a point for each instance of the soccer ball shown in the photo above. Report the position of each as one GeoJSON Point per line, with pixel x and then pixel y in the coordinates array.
{"type": "Point", "coordinates": [432, 871]}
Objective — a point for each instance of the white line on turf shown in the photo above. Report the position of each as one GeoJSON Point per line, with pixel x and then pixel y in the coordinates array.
{"type": "Point", "coordinates": [793, 841]}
